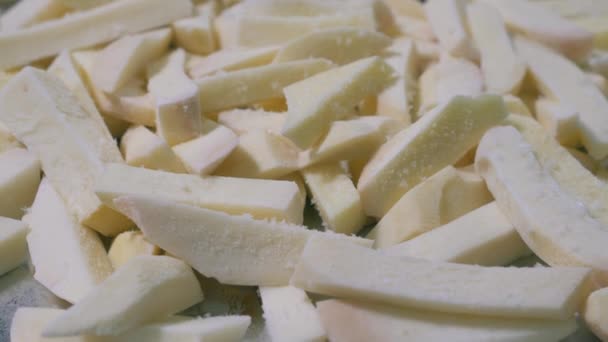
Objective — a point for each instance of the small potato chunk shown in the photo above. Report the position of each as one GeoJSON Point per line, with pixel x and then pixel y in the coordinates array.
{"type": "Point", "coordinates": [13, 248]}
{"type": "Point", "coordinates": [128, 245]}
{"type": "Point", "coordinates": [143, 148]}
{"type": "Point", "coordinates": [195, 34]}
{"type": "Point", "coordinates": [19, 179]}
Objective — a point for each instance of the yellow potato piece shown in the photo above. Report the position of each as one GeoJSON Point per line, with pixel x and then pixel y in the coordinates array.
{"type": "Point", "coordinates": [87, 28]}
{"type": "Point", "coordinates": [235, 250]}
{"type": "Point", "coordinates": [433, 142]}
{"type": "Point", "coordinates": [19, 179]}
{"type": "Point", "coordinates": [69, 259]}
{"type": "Point", "coordinates": [195, 34]}
{"type": "Point", "coordinates": [13, 248]}
{"type": "Point", "coordinates": [335, 197]}
{"type": "Point", "coordinates": [178, 111]}
{"type": "Point", "coordinates": [146, 289]}
{"type": "Point", "coordinates": [143, 148]}
{"type": "Point", "coordinates": [441, 198]}
{"type": "Point", "coordinates": [317, 101]}
{"type": "Point", "coordinates": [236, 196]}
{"type": "Point", "coordinates": [516, 106]}
{"type": "Point", "coordinates": [482, 236]}
{"type": "Point", "coordinates": [345, 270]}
{"type": "Point", "coordinates": [595, 313]}
{"type": "Point", "coordinates": [243, 87]}
{"type": "Point", "coordinates": [128, 245]}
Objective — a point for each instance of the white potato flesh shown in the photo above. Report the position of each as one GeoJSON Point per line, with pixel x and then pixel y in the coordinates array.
{"type": "Point", "coordinates": [142, 148]}
{"type": "Point", "coordinates": [128, 245]}
{"type": "Point", "coordinates": [13, 247]}
{"type": "Point", "coordinates": [19, 179]}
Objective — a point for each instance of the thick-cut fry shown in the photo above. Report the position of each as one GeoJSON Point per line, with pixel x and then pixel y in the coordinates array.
{"type": "Point", "coordinates": [242, 121]}
{"type": "Point", "coordinates": [143, 148]}
{"type": "Point", "coordinates": [235, 250]}
{"type": "Point", "coordinates": [229, 60]}
{"type": "Point", "coordinates": [448, 20]}
{"type": "Point", "coordinates": [128, 245]}
{"type": "Point", "coordinates": [560, 121]}
{"type": "Point", "coordinates": [13, 248]}
{"type": "Point", "coordinates": [195, 34]}
{"type": "Point", "coordinates": [26, 13]}
{"type": "Point", "coordinates": [435, 141]}
{"type": "Point", "coordinates": [342, 269]}
{"type": "Point", "coordinates": [19, 179]}
{"type": "Point", "coordinates": [87, 28]}
{"type": "Point", "coordinates": [397, 101]}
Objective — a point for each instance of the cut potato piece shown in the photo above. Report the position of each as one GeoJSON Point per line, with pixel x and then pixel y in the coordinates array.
{"type": "Point", "coordinates": [415, 28]}
{"type": "Point", "coordinates": [143, 148]}
{"type": "Point", "coordinates": [546, 27]}
{"type": "Point", "coordinates": [341, 45]}
{"type": "Point", "coordinates": [584, 159]}
{"type": "Point", "coordinates": [261, 154]}
{"type": "Point", "coordinates": [448, 20]}
{"type": "Point", "coordinates": [595, 313]}
{"type": "Point", "coordinates": [126, 57]}
{"type": "Point", "coordinates": [317, 101]}
{"type": "Point", "coordinates": [580, 8]}
{"type": "Point", "coordinates": [335, 197]}
{"type": "Point", "coordinates": [433, 142]}
{"type": "Point", "coordinates": [91, 126]}
{"type": "Point", "coordinates": [8, 141]}
{"type": "Point", "coordinates": [410, 8]}
{"type": "Point", "coordinates": [342, 269]}
{"type": "Point", "coordinates": [600, 81]}
{"type": "Point", "coordinates": [237, 196]}
{"type": "Point", "coordinates": [555, 225]}
{"type": "Point", "coordinates": [19, 179]}
{"type": "Point", "coordinates": [77, 261]}
{"type": "Point", "coordinates": [178, 112]}
{"type": "Point", "coordinates": [130, 103]}
{"type": "Point", "coordinates": [145, 289]}
{"type": "Point", "coordinates": [243, 87]}
{"type": "Point", "coordinates": [83, 4]}
{"type": "Point", "coordinates": [597, 61]}
{"type": "Point", "coordinates": [28, 324]}
{"type": "Point", "coordinates": [516, 106]}
{"type": "Point", "coordinates": [235, 250]}
{"type": "Point", "coordinates": [128, 245]}
{"type": "Point", "coordinates": [354, 321]}
{"type": "Point", "coordinates": [242, 121]}
{"type": "Point", "coordinates": [560, 121]}
{"type": "Point", "coordinates": [230, 60]}
{"type": "Point", "coordinates": [439, 199]}
{"type": "Point", "coordinates": [396, 101]}
{"type": "Point", "coordinates": [201, 156]}
{"type": "Point", "coordinates": [13, 248]}
{"type": "Point", "coordinates": [569, 173]}
{"type": "Point", "coordinates": [562, 80]}
{"type": "Point", "coordinates": [483, 236]}
{"type": "Point", "coordinates": [195, 34]}
{"type": "Point", "coordinates": [87, 28]}
{"type": "Point", "coordinates": [502, 69]}
{"type": "Point", "coordinates": [35, 99]}
{"type": "Point", "coordinates": [27, 13]}
{"type": "Point", "coordinates": [290, 316]}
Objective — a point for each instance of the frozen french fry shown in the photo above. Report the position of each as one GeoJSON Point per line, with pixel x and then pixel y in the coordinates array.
{"type": "Point", "coordinates": [397, 101]}
{"type": "Point", "coordinates": [195, 34]}
{"type": "Point", "coordinates": [27, 13]}
{"type": "Point", "coordinates": [142, 148]}
{"type": "Point", "coordinates": [242, 121]}
{"type": "Point", "coordinates": [448, 20]}
{"type": "Point", "coordinates": [19, 179]}
{"type": "Point", "coordinates": [560, 121]}
{"type": "Point", "coordinates": [128, 245]}
{"type": "Point", "coordinates": [230, 60]}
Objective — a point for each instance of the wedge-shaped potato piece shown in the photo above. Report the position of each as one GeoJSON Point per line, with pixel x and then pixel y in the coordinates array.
{"type": "Point", "coordinates": [515, 105]}
{"type": "Point", "coordinates": [87, 28]}
{"type": "Point", "coordinates": [542, 25]}
{"type": "Point", "coordinates": [30, 12]}
{"type": "Point", "coordinates": [128, 245]}
{"type": "Point", "coordinates": [195, 34]}
{"type": "Point", "coordinates": [243, 87]}
{"type": "Point", "coordinates": [201, 156]}
{"type": "Point", "coordinates": [356, 321]}
{"type": "Point", "coordinates": [261, 154]}
{"type": "Point", "coordinates": [397, 100]}
{"type": "Point", "coordinates": [143, 148]}
{"type": "Point", "coordinates": [560, 121]}
{"type": "Point", "coordinates": [178, 112]}
{"type": "Point", "coordinates": [28, 323]}
{"type": "Point", "coordinates": [341, 269]}
{"type": "Point", "coordinates": [448, 20]}
{"type": "Point", "coordinates": [91, 126]}
{"type": "Point", "coordinates": [290, 316]}
{"type": "Point", "coordinates": [555, 225]}
{"type": "Point", "coordinates": [19, 179]}
{"type": "Point", "coordinates": [145, 289]}
{"type": "Point", "coordinates": [433, 142]}
{"type": "Point", "coordinates": [503, 71]}
{"type": "Point", "coordinates": [35, 99]}
{"type": "Point", "coordinates": [242, 121]}
{"type": "Point", "coordinates": [229, 60]}
{"type": "Point", "coordinates": [341, 45]}
{"type": "Point", "coordinates": [595, 313]}
{"type": "Point", "coordinates": [235, 250]}
{"type": "Point", "coordinates": [560, 79]}
{"type": "Point", "coordinates": [441, 198]}
{"type": "Point", "coordinates": [13, 248]}
{"type": "Point", "coordinates": [335, 197]}
{"type": "Point", "coordinates": [77, 261]}
{"type": "Point", "coordinates": [281, 200]}
{"type": "Point", "coordinates": [317, 101]}
{"type": "Point", "coordinates": [127, 56]}
{"type": "Point", "coordinates": [483, 236]}
{"type": "Point", "coordinates": [131, 103]}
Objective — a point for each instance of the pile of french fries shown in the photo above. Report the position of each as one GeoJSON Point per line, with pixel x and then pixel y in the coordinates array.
{"type": "Point", "coordinates": [147, 144]}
